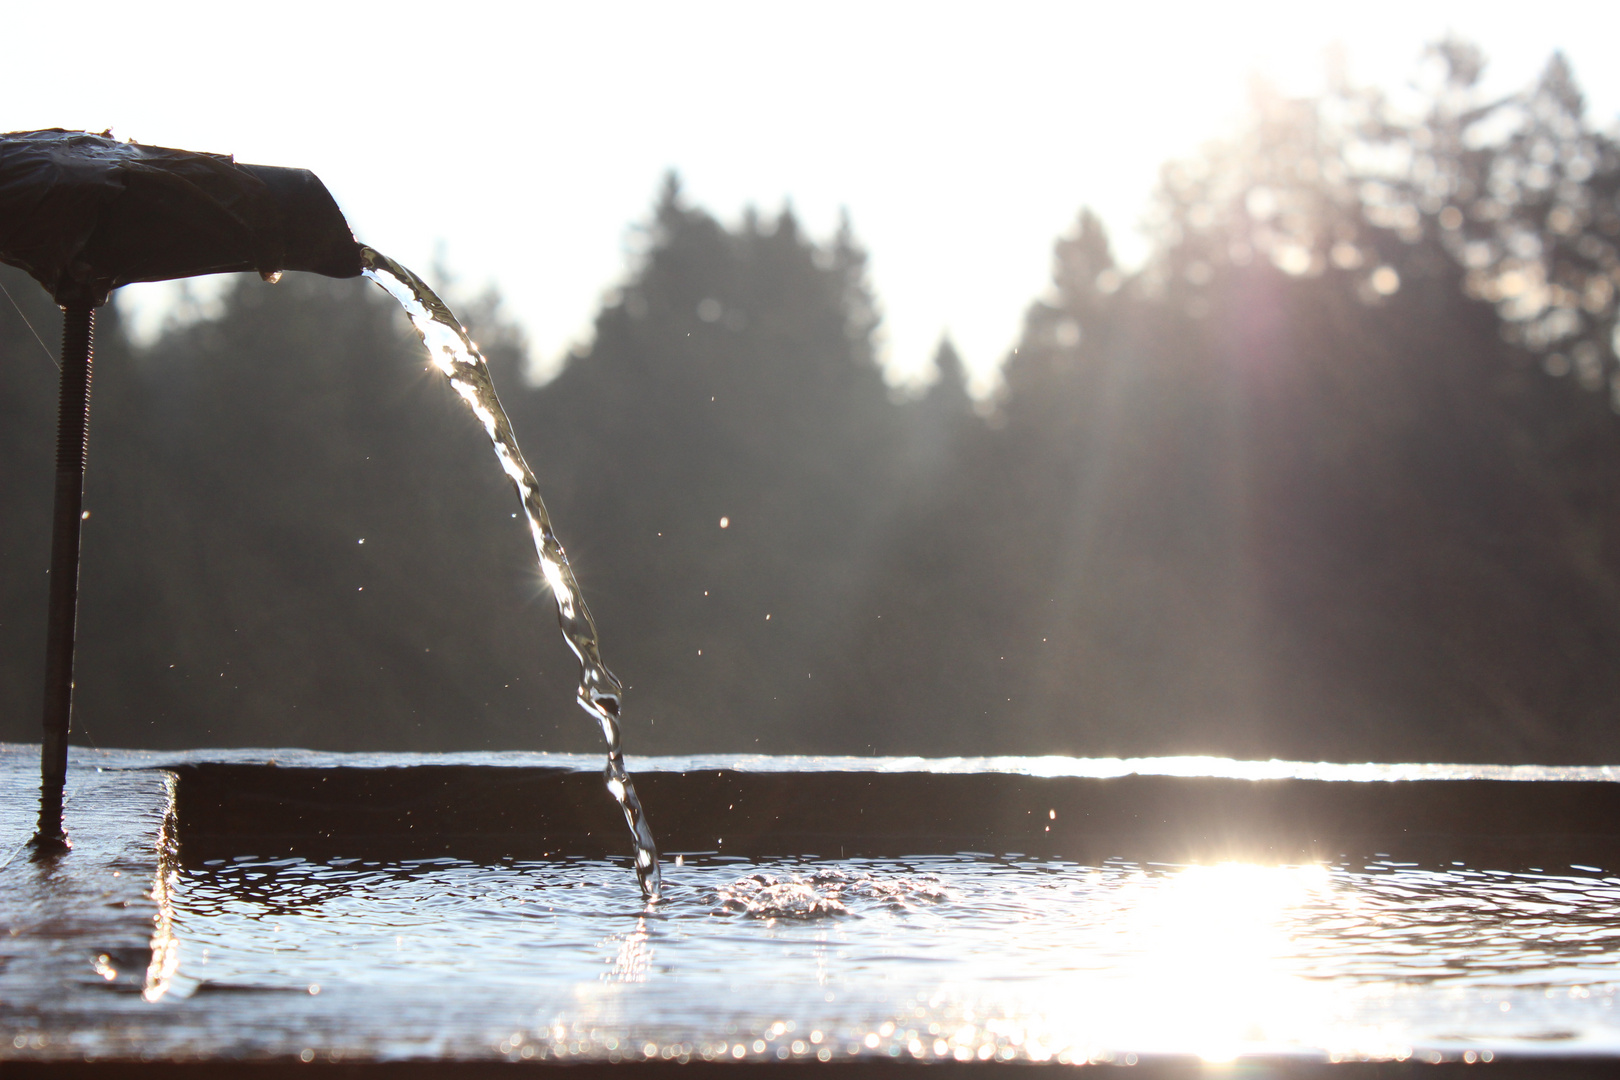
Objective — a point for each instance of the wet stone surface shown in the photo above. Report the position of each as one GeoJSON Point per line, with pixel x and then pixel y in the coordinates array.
{"type": "Point", "coordinates": [85, 938]}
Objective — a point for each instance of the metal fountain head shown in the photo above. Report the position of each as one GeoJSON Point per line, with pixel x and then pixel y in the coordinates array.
{"type": "Point", "coordinates": [85, 214]}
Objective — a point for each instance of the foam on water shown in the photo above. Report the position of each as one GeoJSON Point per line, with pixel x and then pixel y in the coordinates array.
{"type": "Point", "coordinates": [823, 892]}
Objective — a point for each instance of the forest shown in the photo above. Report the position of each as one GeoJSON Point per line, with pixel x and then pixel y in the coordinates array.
{"type": "Point", "coordinates": [1335, 475]}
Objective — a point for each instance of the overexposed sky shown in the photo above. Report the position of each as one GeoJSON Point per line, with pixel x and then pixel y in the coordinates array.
{"type": "Point", "coordinates": [526, 139]}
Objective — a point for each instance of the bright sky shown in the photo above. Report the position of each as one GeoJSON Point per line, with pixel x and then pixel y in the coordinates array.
{"type": "Point", "coordinates": [527, 138]}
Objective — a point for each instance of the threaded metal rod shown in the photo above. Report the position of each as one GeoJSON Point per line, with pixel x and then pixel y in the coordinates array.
{"type": "Point", "coordinates": [72, 434]}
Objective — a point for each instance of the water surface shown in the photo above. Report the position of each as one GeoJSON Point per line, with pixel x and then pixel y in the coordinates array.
{"type": "Point", "coordinates": [963, 956]}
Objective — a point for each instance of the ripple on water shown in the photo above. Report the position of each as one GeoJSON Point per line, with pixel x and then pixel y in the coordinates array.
{"type": "Point", "coordinates": [959, 957]}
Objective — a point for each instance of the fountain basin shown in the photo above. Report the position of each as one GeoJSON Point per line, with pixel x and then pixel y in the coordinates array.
{"type": "Point", "coordinates": [410, 912]}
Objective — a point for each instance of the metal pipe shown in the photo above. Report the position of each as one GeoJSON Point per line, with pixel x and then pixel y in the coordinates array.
{"type": "Point", "coordinates": [72, 434]}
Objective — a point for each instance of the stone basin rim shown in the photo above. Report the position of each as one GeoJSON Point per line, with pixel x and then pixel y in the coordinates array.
{"type": "Point", "coordinates": [1051, 765]}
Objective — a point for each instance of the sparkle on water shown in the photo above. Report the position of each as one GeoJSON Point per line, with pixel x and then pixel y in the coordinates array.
{"type": "Point", "coordinates": [958, 957]}
{"type": "Point", "coordinates": [455, 354]}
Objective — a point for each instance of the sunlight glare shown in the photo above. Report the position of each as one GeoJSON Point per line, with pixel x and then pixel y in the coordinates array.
{"type": "Point", "coordinates": [1201, 965]}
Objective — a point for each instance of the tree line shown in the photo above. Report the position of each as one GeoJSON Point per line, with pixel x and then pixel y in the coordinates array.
{"type": "Point", "coordinates": [1336, 475]}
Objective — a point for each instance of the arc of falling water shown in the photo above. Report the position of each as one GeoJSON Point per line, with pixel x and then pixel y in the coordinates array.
{"type": "Point", "coordinates": [454, 353]}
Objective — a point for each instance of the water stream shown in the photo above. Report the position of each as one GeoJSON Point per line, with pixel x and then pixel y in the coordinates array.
{"type": "Point", "coordinates": [600, 694]}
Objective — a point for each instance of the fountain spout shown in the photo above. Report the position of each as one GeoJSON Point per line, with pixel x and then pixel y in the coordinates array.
{"type": "Point", "coordinates": [86, 213]}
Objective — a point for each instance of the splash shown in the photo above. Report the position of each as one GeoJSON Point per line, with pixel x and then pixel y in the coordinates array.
{"type": "Point", "coordinates": [828, 891]}
{"type": "Point", "coordinates": [600, 694]}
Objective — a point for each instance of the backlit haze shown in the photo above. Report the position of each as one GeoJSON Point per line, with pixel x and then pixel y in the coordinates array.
{"type": "Point", "coordinates": [518, 145]}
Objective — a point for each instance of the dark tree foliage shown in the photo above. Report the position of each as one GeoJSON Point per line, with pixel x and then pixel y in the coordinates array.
{"type": "Point", "coordinates": [725, 451]}
{"type": "Point", "coordinates": [1337, 475]}
{"type": "Point", "coordinates": [1297, 489]}
{"type": "Point", "coordinates": [239, 463]}
{"type": "Point", "coordinates": [226, 597]}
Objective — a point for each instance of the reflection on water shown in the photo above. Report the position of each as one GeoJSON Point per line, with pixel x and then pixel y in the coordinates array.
{"type": "Point", "coordinates": [959, 957]}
